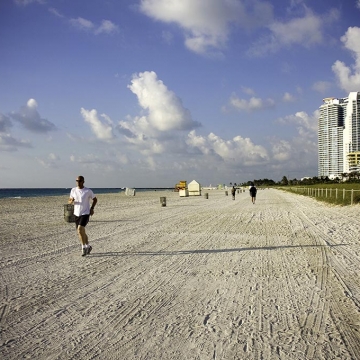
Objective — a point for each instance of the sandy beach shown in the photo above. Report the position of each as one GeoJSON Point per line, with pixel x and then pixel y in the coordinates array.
{"type": "Point", "coordinates": [198, 279]}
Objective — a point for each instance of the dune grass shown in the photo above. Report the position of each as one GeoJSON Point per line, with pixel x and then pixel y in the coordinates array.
{"type": "Point", "coordinates": [338, 194]}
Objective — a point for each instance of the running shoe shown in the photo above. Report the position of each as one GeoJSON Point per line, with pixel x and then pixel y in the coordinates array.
{"type": "Point", "coordinates": [84, 252]}
{"type": "Point", "coordinates": [88, 250]}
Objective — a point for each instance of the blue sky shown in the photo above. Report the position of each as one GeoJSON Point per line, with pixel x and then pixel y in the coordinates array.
{"type": "Point", "coordinates": [145, 93]}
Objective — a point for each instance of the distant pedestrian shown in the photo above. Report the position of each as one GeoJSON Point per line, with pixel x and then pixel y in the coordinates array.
{"type": "Point", "coordinates": [81, 196]}
{"type": "Point", "coordinates": [233, 191]}
{"type": "Point", "coordinates": [253, 192]}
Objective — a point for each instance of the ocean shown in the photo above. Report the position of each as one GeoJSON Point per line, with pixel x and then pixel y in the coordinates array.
{"type": "Point", "coordinates": [37, 192]}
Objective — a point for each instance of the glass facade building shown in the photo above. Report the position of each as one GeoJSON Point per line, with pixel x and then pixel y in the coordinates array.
{"type": "Point", "coordinates": [338, 135]}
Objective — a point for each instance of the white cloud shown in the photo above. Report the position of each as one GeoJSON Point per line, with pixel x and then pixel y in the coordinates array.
{"type": "Point", "coordinates": [305, 31]}
{"type": "Point", "coordinates": [165, 111]}
{"type": "Point", "coordinates": [82, 23]}
{"type": "Point", "coordinates": [102, 129]}
{"type": "Point", "coordinates": [56, 12]}
{"type": "Point", "coordinates": [288, 97]}
{"type": "Point", "coordinates": [322, 86]}
{"type": "Point", "coordinates": [349, 76]}
{"type": "Point", "coordinates": [358, 4]}
{"type": "Point", "coordinates": [29, 117]}
{"type": "Point", "coordinates": [239, 150]}
{"type": "Point", "coordinates": [107, 27]}
{"type": "Point", "coordinates": [206, 23]}
{"type": "Point", "coordinates": [247, 90]}
{"type": "Point", "coordinates": [281, 150]}
{"type": "Point", "coordinates": [307, 125]}
{"type": "Point", "coordinates": [299, 151]}
{"type": "Point", "coordinates": [252, 104]}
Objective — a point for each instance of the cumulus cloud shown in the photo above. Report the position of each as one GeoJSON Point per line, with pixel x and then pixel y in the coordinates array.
{"type": "Point", "coordinates": [165, 111]}
{"type": "Point", "coordinates": [206, 23]}
{"type": "Point", "coordinates": [161, 126]}
{"type": "Point", "coordinates": [349, 76]}
{"type": "Point", "coordinates": [299, 151]}
{"type": "Point", "coordinates": [322, 86]}
{"type": "Point", "coordinates": [9, 143]}
{"type": "Point", "coordinates": [29, 117]}
{"type": "Point", "coordinates": [305, 123]}
{"type": "Point", "coordinates": [103, 129]}
{"type": "Point", "coordinates": [305, 31]}
{"type": "Point", "coordinates": [253, 104]}
{"type": "Point", "coordinates": [281, 150]}
{"type": "Point", "coordinates": [237, 150]}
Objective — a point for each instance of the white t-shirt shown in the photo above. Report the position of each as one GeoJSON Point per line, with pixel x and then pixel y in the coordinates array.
{"type": "Point", "coordinates": [82, 200]}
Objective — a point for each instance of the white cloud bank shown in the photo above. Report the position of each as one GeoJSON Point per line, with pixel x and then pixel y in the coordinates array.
{"type": "Point", "coordinates": [206, 23]}
{"type": "Point", "coordinates": [349, 76]}
{"type": "Point", "coordinates": [237, 151]}
{"type": "Point", "coordinates": [165, 127]}
{"type": "Point", "coordinates": [163, 136]}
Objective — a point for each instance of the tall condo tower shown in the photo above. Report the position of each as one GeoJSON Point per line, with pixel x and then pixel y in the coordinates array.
{"type": "Point", "coordinates": [351, 127]}
{"type": "Point", "coordinates": [330, 138]}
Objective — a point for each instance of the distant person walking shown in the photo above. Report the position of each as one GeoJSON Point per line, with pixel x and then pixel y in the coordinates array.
{"type": "Point", "coordinates": [81, 196]}
{"type": "Point", "coordinates": [233, 191]}
{"type": "Point", "coordinates": [253, 192]}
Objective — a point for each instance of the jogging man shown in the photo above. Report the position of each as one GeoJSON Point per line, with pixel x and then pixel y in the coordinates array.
{"type": "Point", "coordinates": [81, 196]}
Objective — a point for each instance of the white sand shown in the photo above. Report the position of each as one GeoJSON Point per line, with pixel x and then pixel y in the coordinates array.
{"type": "Point", "coordinates": [198, 279]}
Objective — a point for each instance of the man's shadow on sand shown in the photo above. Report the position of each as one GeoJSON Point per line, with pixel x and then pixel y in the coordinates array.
{"type": "Point", "coordinates": [209, 251]}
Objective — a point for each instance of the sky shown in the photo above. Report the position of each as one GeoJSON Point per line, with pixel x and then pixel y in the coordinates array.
{"type": "Point", "coordinates": [145, 93]}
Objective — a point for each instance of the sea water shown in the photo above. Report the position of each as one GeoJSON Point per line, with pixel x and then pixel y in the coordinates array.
{"type": "Point", "coordinates": [37, 192]}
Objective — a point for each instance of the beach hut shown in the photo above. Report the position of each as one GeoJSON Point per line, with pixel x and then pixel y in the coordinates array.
{"type": "Point", "coordinates": [184, 193]}
{"type": "Point", "coordinates": [194, 188]}
{"type": "Point", "coordinates": [130, 192]}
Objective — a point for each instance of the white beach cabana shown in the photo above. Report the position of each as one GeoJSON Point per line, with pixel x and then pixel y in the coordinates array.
{"type": "Point", "coordinates": [194, 188]}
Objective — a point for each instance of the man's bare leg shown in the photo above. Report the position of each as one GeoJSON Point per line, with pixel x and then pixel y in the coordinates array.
{"type": "Point", "coordinates": [82, 235]}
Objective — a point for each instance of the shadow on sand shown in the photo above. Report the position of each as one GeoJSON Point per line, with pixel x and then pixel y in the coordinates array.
{"type": "Point", "coordinates": [208, 251]}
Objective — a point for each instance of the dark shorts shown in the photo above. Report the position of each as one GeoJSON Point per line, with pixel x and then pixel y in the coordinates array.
{"type": "Point", "coordinates": [81, 220]}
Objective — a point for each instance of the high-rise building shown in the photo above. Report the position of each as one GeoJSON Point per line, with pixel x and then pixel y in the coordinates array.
{"type": "Point", "coordinates": [338, 135]}
{"type": "Point", "coordinates": [330, 138]}
{"type": "Point", "coordinates": [351, 127]}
